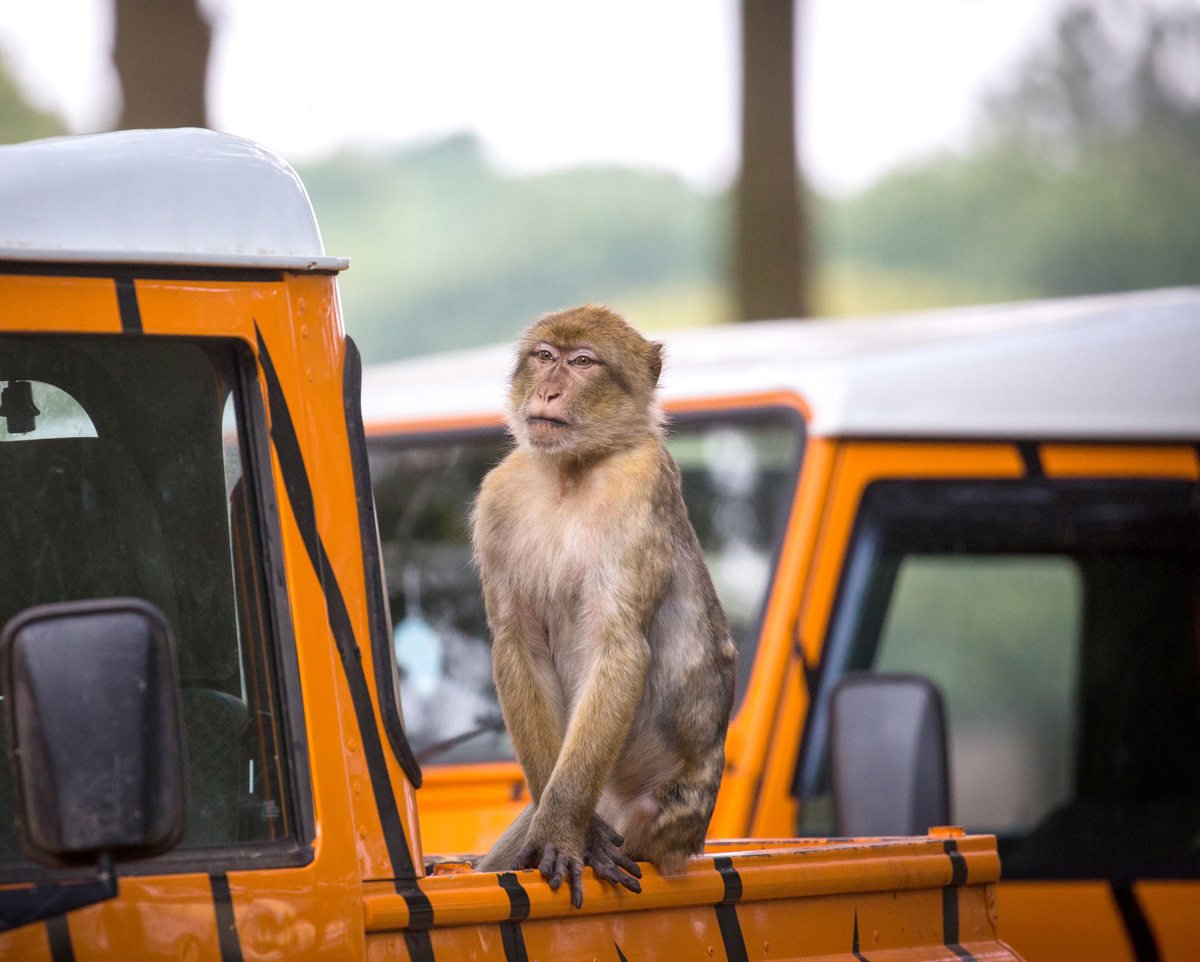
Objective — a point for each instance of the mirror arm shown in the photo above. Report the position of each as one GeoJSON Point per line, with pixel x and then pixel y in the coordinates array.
{"type": "Point", "coordinates": [22, 906]}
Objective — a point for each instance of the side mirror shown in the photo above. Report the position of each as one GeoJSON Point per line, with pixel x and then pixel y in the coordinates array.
{"type": "Point", "coordinates": [888, 755]}
{"type": "Point", "coordinates": [92, 721]}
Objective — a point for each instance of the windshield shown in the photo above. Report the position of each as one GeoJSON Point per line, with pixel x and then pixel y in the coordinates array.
{"type": "Point", "coordinates": [739, 475]}
{"type": "Point", "coordinates": [124, 471]}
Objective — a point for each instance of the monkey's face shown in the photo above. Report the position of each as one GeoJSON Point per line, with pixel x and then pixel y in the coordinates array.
{"type": "Point", "coordinates": [583, 384]}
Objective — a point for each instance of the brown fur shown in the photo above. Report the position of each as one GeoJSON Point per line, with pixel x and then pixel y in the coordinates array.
{"type": "Point", "coordinates": [612, 656]}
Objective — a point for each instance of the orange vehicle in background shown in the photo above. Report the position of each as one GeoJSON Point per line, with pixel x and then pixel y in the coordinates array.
{"type": "Point", "coordinates": [999, 504]}
{"type": "Point", "coordinates": [205, 757]}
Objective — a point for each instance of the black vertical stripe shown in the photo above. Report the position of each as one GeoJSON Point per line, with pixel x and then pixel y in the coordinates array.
{"type": "Point", "coordinates": [511, 935]}
{"type": "Point", "coordinates": [59, 936]}
{"type": "Point", "coordinates": [727, 917]}
{"type": "Point", "coordinates": [620, 954]}
{"type": "Point", "coordinates": [518, 898]}
{"type": "Point", "coordinates": [1031, 457]}
{"type": "Point", "coordinates": [958, 864]}
{"type": "Point", "coordinates": [299, 492]}
{"type": "Point", "coordinates": [854, 942]}
{"type": "Point", "coordinates": [513, 941]}
{"type": "Point", "coordinates": [419, 945]}
{"type": "Point", "coordinates": [227, 937]}
{"type": "Point", "coordinates": [127, 304]}
{"type": "Point", "coordinates": [1141, 937]}
{"type": "Point", "coordinates": [950, 920]}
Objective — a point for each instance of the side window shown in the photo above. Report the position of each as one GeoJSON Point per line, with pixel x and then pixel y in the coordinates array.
{"type": "Point", "coordinates": [124, 468]}
{"type": "Point", "coordinates": [1000, 635]}
{"type": "Point", "coordinates": [1061, 621]}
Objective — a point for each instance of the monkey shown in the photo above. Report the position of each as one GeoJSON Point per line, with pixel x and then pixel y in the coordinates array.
{"type": "Point", "coordinates": [612, 656]}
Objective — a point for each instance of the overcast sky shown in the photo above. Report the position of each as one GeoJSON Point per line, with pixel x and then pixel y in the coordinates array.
{"type": "Point", "coordinates": [548, 83]}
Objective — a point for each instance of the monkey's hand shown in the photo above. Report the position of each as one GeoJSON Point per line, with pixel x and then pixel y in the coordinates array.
{"type": "Point", "coordinates": [602, 851]}
{"type": "Point", "coordinates": [556, 854]}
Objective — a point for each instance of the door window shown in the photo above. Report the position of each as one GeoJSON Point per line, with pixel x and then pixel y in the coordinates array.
{"type": "Point", "coordinates": [1060, 620]}
{"type": "Point", "coordinates": [124, 471]}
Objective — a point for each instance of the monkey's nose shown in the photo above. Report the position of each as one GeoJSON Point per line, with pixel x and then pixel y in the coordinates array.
{"type": "Point", "coordinates": [550, 394]}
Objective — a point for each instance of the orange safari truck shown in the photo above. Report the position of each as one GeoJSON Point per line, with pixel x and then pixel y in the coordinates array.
{"type": "Point", "coordinates": [998, 505]}
{"type": "Point", "coordinates": [205, 755]}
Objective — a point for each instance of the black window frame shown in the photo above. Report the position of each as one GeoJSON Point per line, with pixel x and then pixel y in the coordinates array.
{"type": "Point", "coordinates": [296, 849]}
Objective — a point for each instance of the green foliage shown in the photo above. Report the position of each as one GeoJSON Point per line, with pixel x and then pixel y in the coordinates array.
{"type": "Point", "coordinates": [20, 119]}
{"type": "Point", "coordinates": [1086, 178]}
{"type": "Point", "coordinates": [448, 252]}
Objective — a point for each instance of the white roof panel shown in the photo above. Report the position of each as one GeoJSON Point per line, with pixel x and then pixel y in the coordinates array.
{"type": "Point", "coordinates": [1123, 366]}
{"type": "Point", "coordinates": [178, 197]}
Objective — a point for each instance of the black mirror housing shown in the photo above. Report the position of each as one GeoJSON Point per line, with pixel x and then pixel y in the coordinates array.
{"type": "Point", "coordinates": [888, 755]}
{"type": "Point", "coordinates": [92, 718]}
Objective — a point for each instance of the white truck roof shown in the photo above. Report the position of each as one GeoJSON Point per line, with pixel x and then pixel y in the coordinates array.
{"type": "Point", "coordinates": [1122, 366]}
{"type": "Point", "coordinates": [183, 197]}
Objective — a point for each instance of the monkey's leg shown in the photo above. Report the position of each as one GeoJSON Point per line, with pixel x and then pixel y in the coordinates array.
{"type": "Point", "coordinates": [674, 823]}
{"type": "Point", "coordinates": [502, 856]}
{"type": "Point", "coordinates": [530, 693]}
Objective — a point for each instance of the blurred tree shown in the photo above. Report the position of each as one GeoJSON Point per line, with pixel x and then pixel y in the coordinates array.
{"type": "Point", "coordinates": [1085, 179]}
{"type": "Point", "coordinates": [160, 50]}
{"type": "Point", "coordinates": [19, 119]}
{"type": "Point", "coordinates": [771, 254]}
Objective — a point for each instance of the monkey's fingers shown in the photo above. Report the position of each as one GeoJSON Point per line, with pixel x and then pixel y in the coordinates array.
{"type": "Point", "coordinates": [628, 864]}
{"type": "Point", "coordinates": [610, 872]}
{"type": "Point", "coordinates": [553, 866]}
{"type": "Point", "coordinates": [575, 874]}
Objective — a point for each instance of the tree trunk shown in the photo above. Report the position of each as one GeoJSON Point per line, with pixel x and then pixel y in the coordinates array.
{"type": "Point", "coordinates": [771, 254]}
{"type": "Point", "coordinates": [160, 50]}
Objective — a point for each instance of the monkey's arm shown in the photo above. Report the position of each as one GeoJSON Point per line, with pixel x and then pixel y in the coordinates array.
{"type": "Point", "coordinates": [530, 698]}
{"type": "Point", "coordinates": [599, 725]}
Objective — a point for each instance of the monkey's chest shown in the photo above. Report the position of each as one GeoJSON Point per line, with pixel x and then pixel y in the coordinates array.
{"type": "Point", "coordinates": [557, 561]}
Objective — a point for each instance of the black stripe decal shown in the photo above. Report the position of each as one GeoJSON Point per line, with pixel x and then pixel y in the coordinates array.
{"type": "Point", "coordinates": [518, 898]}
{"type": "Point", "coordinates": [1031, 457]}
{"type": "Point", "coordinates": [59, 936]}
{"type": "Point", "coordinates": [620, 954]}
{"type": "Point", "coordinates": [854, 942]}
{"type": "Point", "coordinates": [511, 935]}
{"type": "Point", "coordinates": [1141, 937]}
{"type": "Point", "coordinates": [727, 917]}
{"type": "Point", "coordinates": [299, 491]}
{"type": "Point", "coordinates": [958, 878]}
{"type": "Point", "coordinates": [419, 945]}
{"type": "Point", "coordinates": [127, 304]}
{"type": "Point", "coordinates": [227, 937]}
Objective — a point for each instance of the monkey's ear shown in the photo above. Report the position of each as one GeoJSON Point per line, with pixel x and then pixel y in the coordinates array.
{"type": "Point", "coordinates": [656, 362]}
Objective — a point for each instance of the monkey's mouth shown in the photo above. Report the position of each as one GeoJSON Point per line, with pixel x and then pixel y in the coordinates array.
{"type": "Point", "coordinates": [533, 420]}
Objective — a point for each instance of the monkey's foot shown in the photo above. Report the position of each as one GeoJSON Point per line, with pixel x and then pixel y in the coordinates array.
{"type": "Point", "coordinates": [555, 864]}
{"type": "Point", "coordinates": [602, 851]}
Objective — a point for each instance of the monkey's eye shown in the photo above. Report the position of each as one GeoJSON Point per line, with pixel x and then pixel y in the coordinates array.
{"type": "Point", "coordinates": [543, 355]}
{"type": "Point", "coordinates": [583, 360]}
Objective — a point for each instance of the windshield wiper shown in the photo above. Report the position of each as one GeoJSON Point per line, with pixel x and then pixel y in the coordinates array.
{"type": "Point", "coordinates": [485, 725]}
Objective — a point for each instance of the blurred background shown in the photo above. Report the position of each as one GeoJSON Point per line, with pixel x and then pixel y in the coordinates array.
{"type": "Point", "coordinates": [687, 161]}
